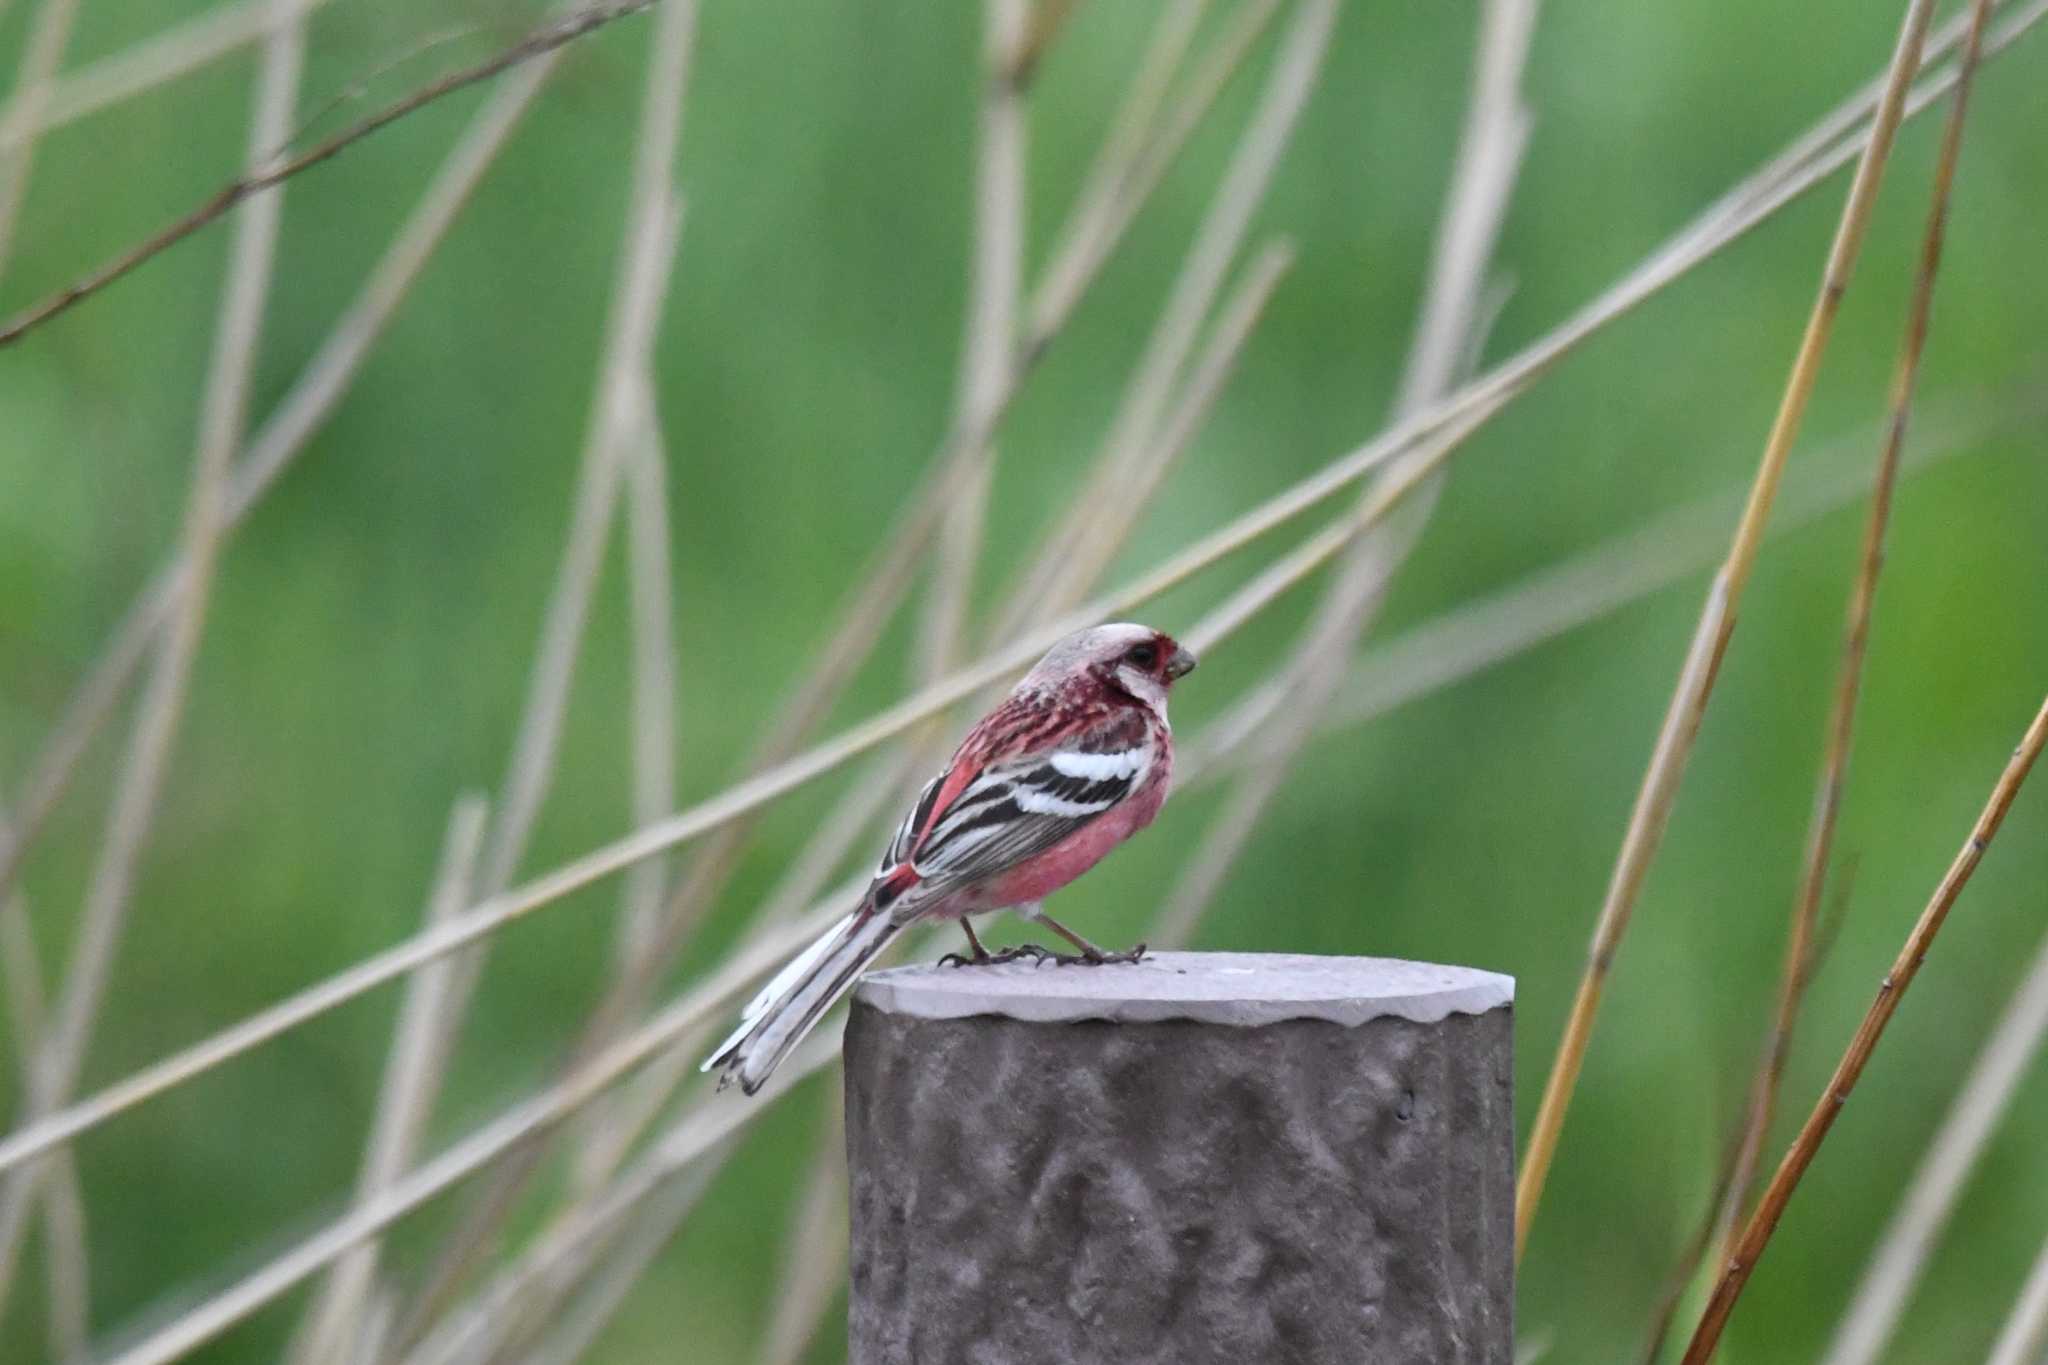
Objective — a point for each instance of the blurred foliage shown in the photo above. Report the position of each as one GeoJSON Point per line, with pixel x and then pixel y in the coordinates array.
{"type": "Point", "coordinates": [368, 643]}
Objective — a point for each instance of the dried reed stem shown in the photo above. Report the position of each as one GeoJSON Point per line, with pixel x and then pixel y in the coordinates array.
{"type": "Point", "coordinates": [1077, 551]}
{"type": "Point", "coordinates": [1827, 804]}
{"type": "Point", "coordinates": [650, 583]}
{"type": "Point", "coordinates": [1729, 220]}
{"type": "Point", "coordinates": [140, 785]}
{"type": "Point", "coordinates": [1771, 1207]}
{"type": "Point", "coordinates": [290, 428]}
{"type": "Point", "coordinates": [412, 1079]}
{"type": "Point", "coordinates": [547, 38]}
{"type": "Point", "coordinates": [562, 1252]}
{"type": "Point", "coordinates": [1908, 1240]}
{"type": "Point", "coordinates": [155, 61]}
{"type": "Point", "coordinates": [815, 1247]}
{"type": "Point", "coordinates": [585, 1319]}
{"type": "Point", "coordinates": [2025, 1333]}
{"type": "Point", "coordinates": [40, 57]}
{"type": "Point", "coordinates": [1142, 143]}
{"type": "Point", "coordinates": [620, 423]}
{"type": "Point", "coordinates": [1490, 152]}
{"type": "Point", "coordinates": [1594, 583]}
{"type": "Point", "coordinates": [1652, 812]}
{"type": "Point", "coordinates": [66, 1265]}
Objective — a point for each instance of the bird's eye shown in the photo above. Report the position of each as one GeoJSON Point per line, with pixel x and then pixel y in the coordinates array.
{"type": "Point", "coordinates": [1145, 656]}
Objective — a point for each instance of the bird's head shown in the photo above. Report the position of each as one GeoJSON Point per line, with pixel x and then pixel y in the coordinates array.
{"type": "Point", "coordinates": [1136, 661]}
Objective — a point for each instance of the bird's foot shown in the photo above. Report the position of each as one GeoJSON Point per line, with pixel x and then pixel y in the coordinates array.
{"type": "Point", "coordinates": [1095, 957]}
{"type": "Point", "coordinates": [1022, 952]}
{"type": "Point", "coordinates": [1132, 954]}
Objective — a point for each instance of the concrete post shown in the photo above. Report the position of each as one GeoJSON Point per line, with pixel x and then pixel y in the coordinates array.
{"type": "Point", "coordinates": [1203, 1157]}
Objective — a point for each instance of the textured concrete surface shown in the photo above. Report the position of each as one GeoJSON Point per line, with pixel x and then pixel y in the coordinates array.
{"type": "Point", "coordinates": [1081, 1187]}
{"type": "Point", "coordinates": [1214, 988]}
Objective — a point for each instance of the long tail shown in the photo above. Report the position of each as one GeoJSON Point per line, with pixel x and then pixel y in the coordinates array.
{"type": "Point", "coordinates": [790, 1005]}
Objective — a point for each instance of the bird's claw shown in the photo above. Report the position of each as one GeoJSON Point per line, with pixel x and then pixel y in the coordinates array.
{"type": "Point", "coordinates": [1098, 958]}
{"type": "Point", "coordinates": [1037, 955]}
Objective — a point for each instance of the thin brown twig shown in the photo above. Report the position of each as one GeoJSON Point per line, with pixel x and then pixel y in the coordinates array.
{"type": "Point", "coordinates": [1827, 802]}
{"type": "Point", "coordinates": [1718, 616]}
{"type": "Point", "coordinates": [548, 37]}
{"type": "Point", "coordinates": [1908, 1240]}
{"type": "Point", "coordinates": [147, 759]}
{"type": "Point", "coordinates": [1699, 1248]}
{"type": "Point", "coordinates": [1891, 990]}
{"type": "Point", "coordinates": [1472, 402]}
{"type": "Point", "coordinates": [282, 438]}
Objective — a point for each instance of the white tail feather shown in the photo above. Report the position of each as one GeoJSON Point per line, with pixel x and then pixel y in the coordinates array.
{"type": "Point", "coordinates": [791, 1004]}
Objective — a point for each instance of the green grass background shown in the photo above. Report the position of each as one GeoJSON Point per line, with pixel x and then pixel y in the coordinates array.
{"type": "Point", "coordinates": [368, 643]}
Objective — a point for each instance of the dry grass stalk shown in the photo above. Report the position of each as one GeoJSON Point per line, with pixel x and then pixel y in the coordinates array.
{"type": "Point", "coordinates": [66, 1263]}
{"type": "Point", "coordinates": [275, 1277]}
{"type": "Point", "coordinates": [622, 422]}
{"type": "Point", "coordinates": [412, 1077]}
{"type": "Point", "coordinates": [549, 37]}
{"type": "Point", "coordinates": [1142, 143]}
{"type": "Point", "coordinates": [815, 1245]}
{"type": "Point", "coordinates": [20, 122]}
{"type": "Point", "coordinates": [156, 61]}
{"type": "Point", "coordinates": [1827, 804]}
{"type": "Point", "coordinates": [651, 587]}
{"type": "Point", "coordinates": [2025, 1333]}
{"type": "Point", "coordinates": [223, 405]}
{"type": "Point", "coordinates": [281, 439]}
{"type": "Point", "coordinates": [988, 350]}
{"type": "Point", "coordinates": [1652, 812]}
{"type": "Point", "coordinates": [1077, 551]}
{"type": "Point", "coordinates": [1476, 399]}
{"type": "Point", "coordinates": [1902, 1252]}
{"type": "Point", "coordinates": [594, 1308]}
{"type": "Point", "coordinates": [1482, 179]}
{"type": "Point", "coordinates": [1594, 583]}
{"type": "Point", "coordinates": [1771, 1207]}
{"type": "Point", "coordinates": [562, 1254]}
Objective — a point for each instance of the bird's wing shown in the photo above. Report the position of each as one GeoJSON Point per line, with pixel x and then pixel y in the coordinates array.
{"type": "Point", "coordinates": [970, 825]}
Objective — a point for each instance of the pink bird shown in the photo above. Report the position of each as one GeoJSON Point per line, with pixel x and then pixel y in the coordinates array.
{"type": "Point", "coordinates": [1072, 763]}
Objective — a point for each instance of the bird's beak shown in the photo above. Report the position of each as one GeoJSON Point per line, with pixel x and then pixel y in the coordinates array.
{"type": "Point", "coordinates": [1181, 664]}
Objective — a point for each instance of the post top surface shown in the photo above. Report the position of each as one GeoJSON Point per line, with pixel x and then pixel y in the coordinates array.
{"type": "Point", "coordinates": [1245, 989]}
